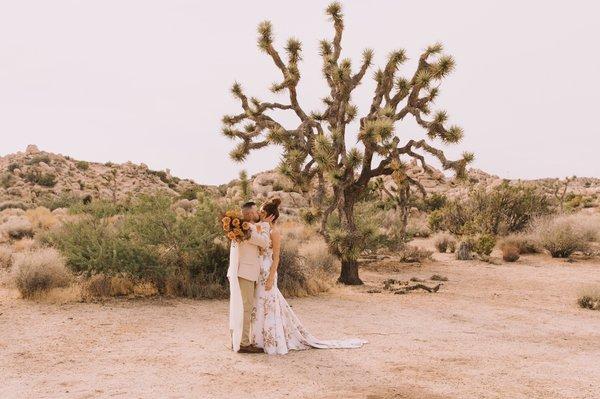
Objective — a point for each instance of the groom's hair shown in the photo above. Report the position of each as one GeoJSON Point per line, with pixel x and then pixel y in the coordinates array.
{"type": "Point", "coordinates": [248, 204]}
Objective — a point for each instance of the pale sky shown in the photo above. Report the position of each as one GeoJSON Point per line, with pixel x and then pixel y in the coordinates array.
{"type": "Point", "coordinates": [148, 80]}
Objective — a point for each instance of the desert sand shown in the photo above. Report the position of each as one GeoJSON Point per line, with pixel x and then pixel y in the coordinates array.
{"type": "Point", "coordinates": [492, 331]}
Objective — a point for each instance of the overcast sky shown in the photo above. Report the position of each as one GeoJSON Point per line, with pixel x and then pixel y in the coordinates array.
{"type": "Point", "coordinates": [148, 80]}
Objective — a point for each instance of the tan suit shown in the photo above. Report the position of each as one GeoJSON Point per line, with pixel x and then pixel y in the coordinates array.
{"type": "Point", "coordinates": [248, 272]}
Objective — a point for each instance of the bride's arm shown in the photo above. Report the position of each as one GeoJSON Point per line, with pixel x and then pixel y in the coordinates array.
{"type": "Point", "coordinates": [276, 240]}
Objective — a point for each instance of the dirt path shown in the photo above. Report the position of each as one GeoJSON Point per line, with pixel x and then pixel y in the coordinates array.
{"type": "Point", "coordinates": [508, 331]}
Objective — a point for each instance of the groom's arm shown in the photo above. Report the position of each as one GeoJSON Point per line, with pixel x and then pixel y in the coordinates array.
{"type": "Point", "coordinates": [259, 237]}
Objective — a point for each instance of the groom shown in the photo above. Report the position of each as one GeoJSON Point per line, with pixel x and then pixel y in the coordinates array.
{"type": "Point", "coordinates": [245, 268]}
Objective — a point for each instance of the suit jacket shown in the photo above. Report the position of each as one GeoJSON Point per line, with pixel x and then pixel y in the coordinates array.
{"type": "Point", "coordinates": [249, 257]}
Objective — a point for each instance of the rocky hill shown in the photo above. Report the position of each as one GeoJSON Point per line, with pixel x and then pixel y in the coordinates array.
{"type": "Point", "coordinates": [34, 177]}
{"type": "Point", "coordinates": [37, 177]}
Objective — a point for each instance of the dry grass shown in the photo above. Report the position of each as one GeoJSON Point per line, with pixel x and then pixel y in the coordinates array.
{"type": "Point", "coordinates": [24, 245]}
{"type": "Point", "coordinates": [304, 268]}
{"type": "Point", "coordinates": [41, 218]}
{"type": "Point", "coordinates": [418, 226]}
{"type": "Point", "coordinates": [101, 286]}
{"type": "Point", "coordinates": [17, 227]}
{"type": "Point", "coordinates": [526, 243]}
{"type": "Point", "coordinates": [5, 256]}
{"type": "Point", "coordinates": [59, 295]}
{"type": "Point", "coordinates": [590, 299]}
{"type": "Point", "coordinates": [411, 254]}
{"type": "Point", "coordinates": [565, 234]}
{"type": "Point", "coordinates": [444, 242]}
{"type": "Point", "coordinates": [39, 270]}
{"type": "Point", "coordinates": [510, 251]}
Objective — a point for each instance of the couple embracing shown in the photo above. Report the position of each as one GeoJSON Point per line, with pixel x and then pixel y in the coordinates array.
{"type": "Point", "coordinates": [260, 319]}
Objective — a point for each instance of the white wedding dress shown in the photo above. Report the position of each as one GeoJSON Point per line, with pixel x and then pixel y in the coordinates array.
{"type": "Point", "coordinates": [275, 326]}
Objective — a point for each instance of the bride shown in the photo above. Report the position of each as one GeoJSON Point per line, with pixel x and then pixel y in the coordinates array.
{"type": "Point", "coordinates": [275, 327]}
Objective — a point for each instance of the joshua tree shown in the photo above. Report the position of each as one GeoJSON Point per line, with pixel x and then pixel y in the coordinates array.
{"type": "Point", "coordinates": [246, 190]}
{"type": "Point", "coordinates": [316, 157]}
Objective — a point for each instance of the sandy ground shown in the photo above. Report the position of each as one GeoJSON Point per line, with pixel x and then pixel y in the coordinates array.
{"type": "Point", "coordinates": [493, 331]}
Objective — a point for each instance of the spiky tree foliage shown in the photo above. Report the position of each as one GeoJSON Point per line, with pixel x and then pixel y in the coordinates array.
{"type": "Point", "coordinates": [315, 152]}
{"type": "Point", "coordinates": [245, 189]}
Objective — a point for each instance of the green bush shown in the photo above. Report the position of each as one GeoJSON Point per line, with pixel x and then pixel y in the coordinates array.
{"type": "Point", "coordinates": [82, 165]}
{"type": "Point", "coordinates": [434, 202]}
{"type": "Point", "coordinates": [99, 208]}
{"type": "Point", "coordinates": [484, 244]}
{"type": "Point", "coordinates": [39, 158]}
{"type": "Point", "coordinates": [13, 166]}
{"type": "Point", "coordinates": [566, 234]}
{"type": "Point", "coordinates": [150, 242]}
{"type": "Point", "coordinates": [505, 209]}
{"type": "Point", "coordinates": [35, 176]}
{"type": "Point", "coordinates": [63, 201]}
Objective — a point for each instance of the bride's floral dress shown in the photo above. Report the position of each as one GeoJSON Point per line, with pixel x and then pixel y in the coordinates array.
{"type": "Point", "coordinates": [275, 326]}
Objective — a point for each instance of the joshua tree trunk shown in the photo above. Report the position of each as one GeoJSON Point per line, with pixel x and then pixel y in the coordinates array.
{"type": "Point", "coordinates": [349, 273]}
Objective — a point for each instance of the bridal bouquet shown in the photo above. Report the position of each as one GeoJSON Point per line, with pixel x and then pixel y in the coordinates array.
{"type": "Point", "coordinates": [234, 226]}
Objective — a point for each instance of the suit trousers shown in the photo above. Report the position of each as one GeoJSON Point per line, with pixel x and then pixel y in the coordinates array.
{"type": "Point", "coordinates": [247, 288]}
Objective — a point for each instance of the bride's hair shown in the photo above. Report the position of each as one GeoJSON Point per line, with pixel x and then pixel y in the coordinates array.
{"type": "Point", "coordinates": [271, 208]}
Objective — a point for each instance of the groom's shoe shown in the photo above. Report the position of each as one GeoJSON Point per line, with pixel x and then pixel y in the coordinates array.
{"type": "Point", "coordinates": [250, 349]}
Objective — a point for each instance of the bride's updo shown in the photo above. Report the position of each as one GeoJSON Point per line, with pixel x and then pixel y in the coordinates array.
{"type": "Point", "coordinates": [271, 208]}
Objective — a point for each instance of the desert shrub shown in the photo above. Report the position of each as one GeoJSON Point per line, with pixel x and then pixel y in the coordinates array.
{"type": "Point", "coordinates": [189, 193]}
{"type": "Point", "coordinates": [434, 202]}
{"type": "Point", "coordinates": [590, 299]}
{"type": "Point", "coordinates": [411, 254]}
{"type": "Point", "coordinates": [417, 227]}
{"type": "Point", "coordinates": [38, 271]}
{"type": "Point", "coordinates": [82, 165]}
{"type": "Point", "coordinates": [184, 204]}
{"type": "Point", "coordinates": [310, 215]}
{"type": "Point", "coordinates": [277, 186]}
{"type": "Point", "coordinates": [17, 227]}
{"type": "Point", "coordinates": [161, 174]}
{"type": "Point", "coordinates": [36, 176]}
{"type": "Point", "coordinates": [510, 251]}
{"type": "Point", "coordinates": [5, 256]}
{"type": "Point", "coordinates": [484, 244]}
{"type": "Point", "coordinates": [525, 243]}
{"type": "Point", "coordinates": [13, 205]}
{"type": "Point", "coordinates": [92, 246]}
{"type": "Point", "coordinates": [297, 275]}
{"type": "Point", "coordinates": [444, 242]}
{"type": "Point", "coordinates": [100, 285]}
{"type": "Point", "coordinates": [36, 159]}
{"type": "Point", "coordinates": [503, 210]}
{"type": "Point", "coordinates": [152, 242]}
{"type": "Point", "coordinates": [64, 200]}
{"type": "Point", "coordinates": [317, 256]}
{"type": "Point", "coordinates": [13, 166]}
{"type": "Point", "coordinates": [561, 236]}
{"type": "Point", "coordinates": [41, 218]}
{"type": "Point", "coordinates": [435, 220]}
{"type": "Point", "coordinates": [100, 208]}
{"type": "Point", "coordinates": [24, 245]}
{"type": "Point", "coordinates": [7, 180]}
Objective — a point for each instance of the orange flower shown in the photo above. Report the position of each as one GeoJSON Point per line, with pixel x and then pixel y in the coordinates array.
{"type": "Point", "coordinates": [238, 232]}
{"type": "Point", "coordinates": [245, 226]}
{"type": "Point", "coordinates": [231, 235]}
{"type": "Point", "coordinates": [226, 220]}
{"type": "Point", "coordinates": [226, 227]}
{"type": "Point", "coordinates": [236, 222]}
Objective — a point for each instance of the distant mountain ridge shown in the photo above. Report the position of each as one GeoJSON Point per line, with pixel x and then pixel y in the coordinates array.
{"type": "Point", "coordinates": [34, 176]}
